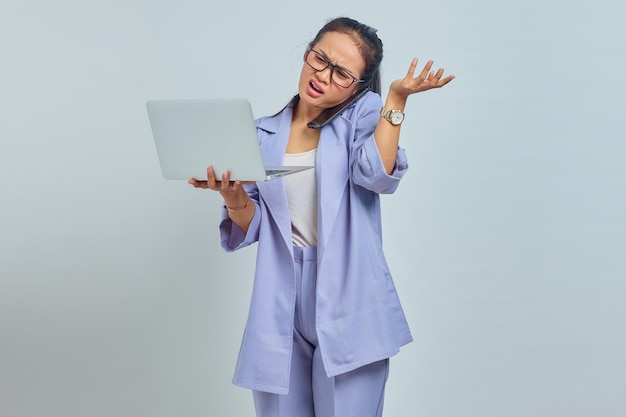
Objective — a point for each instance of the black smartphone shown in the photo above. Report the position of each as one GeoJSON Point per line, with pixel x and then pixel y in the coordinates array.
{"type": "Point", "coordinates": [328, 115]}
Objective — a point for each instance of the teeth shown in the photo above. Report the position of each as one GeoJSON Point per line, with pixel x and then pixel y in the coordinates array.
{"type": "Point", "coordinates": [314, 87]}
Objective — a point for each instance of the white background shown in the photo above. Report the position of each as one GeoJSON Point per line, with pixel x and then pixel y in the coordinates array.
{"type": "Point", "coordinates": [506, 238]}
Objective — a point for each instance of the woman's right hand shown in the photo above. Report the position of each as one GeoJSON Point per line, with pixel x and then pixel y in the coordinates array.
{"type": "Point", "coordinates": [232, 192]}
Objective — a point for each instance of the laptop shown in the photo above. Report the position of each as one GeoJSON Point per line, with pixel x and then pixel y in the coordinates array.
{"type": "Point", "coordinates": [190, 135]}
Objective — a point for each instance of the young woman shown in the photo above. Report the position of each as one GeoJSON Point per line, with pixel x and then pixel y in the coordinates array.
{"type": "Point", "coordinates": [324, 317]}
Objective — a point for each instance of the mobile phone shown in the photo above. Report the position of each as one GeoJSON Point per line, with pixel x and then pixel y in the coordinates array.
{"type": "Point", "coordinates": [328, 115]}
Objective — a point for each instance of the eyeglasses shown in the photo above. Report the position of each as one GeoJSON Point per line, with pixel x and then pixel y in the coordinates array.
{"type": "Point", "coordinates": [338, 75]}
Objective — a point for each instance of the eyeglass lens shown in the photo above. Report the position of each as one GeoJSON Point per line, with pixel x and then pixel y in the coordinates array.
{"type": "Point", "coordinates": [338, 75]}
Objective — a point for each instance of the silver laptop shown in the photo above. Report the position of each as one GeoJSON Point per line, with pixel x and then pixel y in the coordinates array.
{"type": "Point", "coordinates": [190, 135]}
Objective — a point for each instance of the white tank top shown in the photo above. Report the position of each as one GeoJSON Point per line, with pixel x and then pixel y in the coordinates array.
{"type": "Point", "coordinates": [301, 189]}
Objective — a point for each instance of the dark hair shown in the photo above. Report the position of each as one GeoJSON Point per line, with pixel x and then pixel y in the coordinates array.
{"type": "Point", "coordinates": [369, 44]}
{"type": "Point", "coordinates": [371, 48]}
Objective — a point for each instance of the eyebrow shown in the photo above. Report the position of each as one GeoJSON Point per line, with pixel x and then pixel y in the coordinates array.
{"type": "Point", "coordinates": [340, 67]}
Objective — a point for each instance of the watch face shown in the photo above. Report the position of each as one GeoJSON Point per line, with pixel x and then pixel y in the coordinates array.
{"type": "Point", "coordinates": [397, 117]}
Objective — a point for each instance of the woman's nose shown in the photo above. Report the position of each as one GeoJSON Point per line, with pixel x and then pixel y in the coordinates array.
{"type": "Point", "coordinates": [326, 74]}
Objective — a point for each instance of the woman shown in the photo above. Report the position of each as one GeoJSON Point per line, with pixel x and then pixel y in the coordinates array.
{"type": "Point", "coordinates": [324, 317]}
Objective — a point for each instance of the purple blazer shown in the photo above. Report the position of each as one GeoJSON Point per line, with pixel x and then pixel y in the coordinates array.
{"type": "Point", "coordinates": [359, 318]}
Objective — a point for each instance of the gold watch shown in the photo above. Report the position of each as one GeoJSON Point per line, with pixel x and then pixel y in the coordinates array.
{"type": "Point", "coordinates": [395, 117]}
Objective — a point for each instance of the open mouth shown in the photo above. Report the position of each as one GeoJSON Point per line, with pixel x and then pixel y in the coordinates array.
{"type": "Point", "coordinates": [315, 88]}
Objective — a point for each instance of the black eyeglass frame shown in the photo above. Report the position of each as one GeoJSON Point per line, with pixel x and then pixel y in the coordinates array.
{"type": "Point", "coordinates": [332, 66]}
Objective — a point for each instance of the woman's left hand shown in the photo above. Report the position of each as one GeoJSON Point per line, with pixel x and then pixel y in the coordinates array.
{"type": "Point", "coordinates": [424, 81]}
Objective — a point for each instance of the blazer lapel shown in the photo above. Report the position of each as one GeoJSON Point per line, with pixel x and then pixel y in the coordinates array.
{"type": "Point", "coordinates": [273, 193]}
{"type": "Point", "coordinates": [333, 171]}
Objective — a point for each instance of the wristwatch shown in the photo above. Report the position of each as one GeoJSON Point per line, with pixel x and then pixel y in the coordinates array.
{"type": "Point", "coordinates": [395, 117]}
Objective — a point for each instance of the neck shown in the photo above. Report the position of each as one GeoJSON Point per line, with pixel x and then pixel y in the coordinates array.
{"type": "Point", "coordinates": [303, 114]}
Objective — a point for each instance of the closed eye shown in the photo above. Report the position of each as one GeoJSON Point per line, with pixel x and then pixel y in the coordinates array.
{"type": "Point", "coordinates": [343, 74]}
{"type": "Point", "coordinates": [321, 60]}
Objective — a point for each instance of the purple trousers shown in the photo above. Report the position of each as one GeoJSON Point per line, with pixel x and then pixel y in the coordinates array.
{"type": "Point", "coordinates": [358, 393]}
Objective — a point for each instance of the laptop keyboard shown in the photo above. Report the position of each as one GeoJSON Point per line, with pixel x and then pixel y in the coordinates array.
{"type": "Point", "coordinates": [275, 171]}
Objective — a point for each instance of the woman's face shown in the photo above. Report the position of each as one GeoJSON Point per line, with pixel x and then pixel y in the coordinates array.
{"type": "Point", "coordinates": [316, 88]}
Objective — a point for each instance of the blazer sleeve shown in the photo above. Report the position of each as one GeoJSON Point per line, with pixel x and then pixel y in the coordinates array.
{"type": "Point", "coordinates": [231, 235]}
{"type": "Point", "coordinates": [367, 166]}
